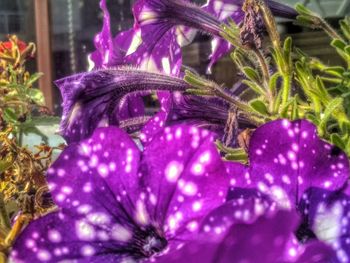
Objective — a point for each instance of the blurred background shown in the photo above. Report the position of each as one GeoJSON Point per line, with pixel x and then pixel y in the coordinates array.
{"type": "Point", "coordinates": [64, 31]}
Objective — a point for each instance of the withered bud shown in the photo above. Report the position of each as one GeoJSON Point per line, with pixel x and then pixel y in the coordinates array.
{"type": "Point", "coordinates": [244, 139]}
{"type": "Point", "coordinates": [252, 30]}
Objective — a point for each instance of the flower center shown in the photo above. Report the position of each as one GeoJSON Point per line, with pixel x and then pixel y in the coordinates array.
{"type": "Point", "coordinates": [148, 242]}
{"type": "Point", "coordinates": [304, 233]}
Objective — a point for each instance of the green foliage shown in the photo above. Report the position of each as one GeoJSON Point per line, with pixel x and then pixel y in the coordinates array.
{"type": "Point", "coordinates": [292, 85]}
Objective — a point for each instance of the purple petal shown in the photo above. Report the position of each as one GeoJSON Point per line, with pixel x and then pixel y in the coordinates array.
{"type": "Point", "coordinates": [208, 113]}
{"type": "Point", "coordinates": [186, 175]}
{"type": "Point", "coordinates": [93, 169]}
{"type": "Point", "coordinates": [110, 53]}
{"type": "Point", "coordinates": [224, 9]}
{"type": "Point", "coordinates": [89, 182]}
{"type": "Point", "coordinates": [268, 239]}
{"type": "Point", "coordinates": [93, 99]}
{"type": "Point", "coordinates": [165, 25]}
{"type": "Point", "coordinates": [163, 55]}
{"type": "Point", "coordinates": [173, 13]}
{"type": "Point", "coordinates": [58, 237]}
{"type": "Point", "coordinates": [282, 10]}
{"type": "Point", "coordinates": [131, 107]}
{"type": "Point", "coordinates": [219, 48]}
{"type": "Point", "coordinates": [111, 205]}
{"type": "Point", "coordinates": [103, 41]}
{"type": "Point", "coordinates": [153, 127]}
{"type": "Point", "coordinates": [328, 213]}
{"type": "Point", "coordinates": [268, 236]}
{"type": "Point", "coordinates": [286, 158]}
{"type": "Point", "coordinates": [245, 208]}
{"type": "Point", "coordinates": [316, 252]}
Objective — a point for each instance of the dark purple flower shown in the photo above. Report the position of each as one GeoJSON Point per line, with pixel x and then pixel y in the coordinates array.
{"type": "Point", "coordinates": [249, 230]}
{"type": "Point", "coordinates": [300, 172]}
{"type": "Point", "coordinates": [327, 217]}
{"type": "Point", "coordinates": [117, 203]}
{"type": "Point", "coordinates": [94, 98]}
{"type": "Point", "coordinates": [163, 26]}
{"type": "Point", "coordinates": [286, 158]}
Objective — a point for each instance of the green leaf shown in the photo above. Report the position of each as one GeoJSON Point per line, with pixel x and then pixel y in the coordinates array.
{"type": "Point", "coordinates": [284, 110]}
{"type": "Point", "coordinates": [273, 82]}
{"type": "Point", "coordinates": [277, 101]}
{"type": "Point", "coordinates": [287, 49]}
{"type": "Point", "coordinates": [255, 87]}
{"type": "Point", "coordinates": [37, 96]}
{"type": "Point", "coordinates": [347, 50]}
{"type": "Point", "coordinates": [33, 78]}
{"type": "Point", "coordinates": [237, 157]}
{"type": "Point", "coordinates": [194, 80]}
{"type": "Point", "coordinates": [332, 106]}
{"type": "Point", "coordinates": [45, 120]}
{"type": "Point", "coordinates": [35, 130]}
{"type": "Point", "coordinates": [303, 10]}
{"type": "Point", "coordinates": [295, 110]}
{"type": "Point", "coordinates": [278, 58]}
{"type": "Point", "coordinates": [311, 117]}
{"type": "Point", "coordinates": [251, 73]}
{"type": "Point", "coordinates": [339, 44]}
{"type": "Point", "coordinates": [222, 148]}
{"type": "Point", "coordinates": [336, 140]}
{"type": "Point", "coordinates": [321, 87]}
{"type": "Point", "coordinates": [345, 27]}
{"type": "Point", "coordinates": [10, 115]}
{"type": "Point", "coordinates": [259, 106]}
{"type": "Point", "coordinates": [336, 71]}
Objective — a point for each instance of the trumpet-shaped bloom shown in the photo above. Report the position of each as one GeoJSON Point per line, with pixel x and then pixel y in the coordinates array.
{"type": "Point", "coordinates": [117, 203]}
{"type": "Point", "coordinates": [163, 26]}
{"type": "Point", "coordinates": [300, 172]}
{"type": "Point", "coordinates": [286, 158]}
{"type": "Point", "coordinates": [95, 98]}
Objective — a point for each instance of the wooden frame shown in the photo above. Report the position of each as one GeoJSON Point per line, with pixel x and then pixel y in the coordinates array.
{"type": "Point", "coordinates": [44, 54]}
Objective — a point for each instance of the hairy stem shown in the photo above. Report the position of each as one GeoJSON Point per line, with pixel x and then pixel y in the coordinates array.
{"type": "Point", "coordinates": [287, 81]}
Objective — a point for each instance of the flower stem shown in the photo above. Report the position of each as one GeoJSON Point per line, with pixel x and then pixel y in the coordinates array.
{"type": "Point", "coordinates": [330, 30]}
{"type": "Point", "coordinates": [287, 80]}
{"type": "Point", "coordinates": [3, 257]}
{"type": "Point", "coordinates": [266, 76]}
{"type": "Point", "coordinates": [4, 218]}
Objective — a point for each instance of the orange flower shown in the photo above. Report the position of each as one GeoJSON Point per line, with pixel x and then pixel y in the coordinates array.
{"type": "Point", "coordinates": [8, 46]}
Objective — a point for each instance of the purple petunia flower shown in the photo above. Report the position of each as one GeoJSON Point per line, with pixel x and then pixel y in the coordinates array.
{"type": "Point", "coordinates": [118, 204]}
{"type": "Point", "coordinates": [94, 98]}
{"type": "Point", "coordinates": [250, 229]}
{"type": "Point", "coordinates": [299, 171]}
{"type": "Point", "coordinates": [163, 26]}
{"type": "Point", "coordinates": [164, 21]}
